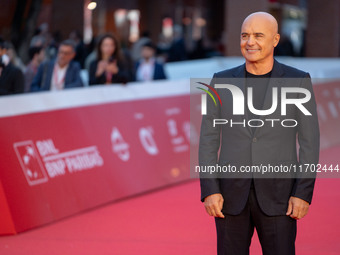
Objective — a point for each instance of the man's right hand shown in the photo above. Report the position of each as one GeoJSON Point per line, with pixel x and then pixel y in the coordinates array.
{"type": "Point", "coordinates": [213, 205]}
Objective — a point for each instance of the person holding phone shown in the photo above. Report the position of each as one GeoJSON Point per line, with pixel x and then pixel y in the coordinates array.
{"type": "Point", "coordinates": [110, 66]}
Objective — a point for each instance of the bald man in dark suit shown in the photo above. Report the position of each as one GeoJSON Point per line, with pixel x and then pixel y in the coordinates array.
{"type": "Point", "coordinates": [241, 203]}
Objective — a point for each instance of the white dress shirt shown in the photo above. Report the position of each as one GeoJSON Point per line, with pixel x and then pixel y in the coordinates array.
{"type": "Point", "coordinates": [146, 70]}
{"type": "Point", "coordinates": [58, 77]}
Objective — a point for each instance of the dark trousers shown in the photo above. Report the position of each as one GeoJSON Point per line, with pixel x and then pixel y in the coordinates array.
{"type": "Point", "coordinates": [276, 233]}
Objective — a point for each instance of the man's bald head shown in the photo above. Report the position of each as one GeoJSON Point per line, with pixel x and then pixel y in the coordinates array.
{"type": "Point", "coordinates": [264, 18]}
{"type": "Point", "coordinates": [259, 37]}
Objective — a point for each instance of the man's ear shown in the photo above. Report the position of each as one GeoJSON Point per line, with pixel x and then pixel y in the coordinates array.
{"type": "Point", "coordinates": [276, 39]}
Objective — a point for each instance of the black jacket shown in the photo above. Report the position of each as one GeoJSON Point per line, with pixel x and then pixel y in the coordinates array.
{"type": "Point", "coordinates": [121, 77]}
{"type": "Point", "coordinates": [11, 80]}
{"type": "Point", "coordinates": [267, 145]}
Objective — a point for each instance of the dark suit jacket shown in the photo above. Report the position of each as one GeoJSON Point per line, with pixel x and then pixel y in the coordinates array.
{"type": "Point", "coordinates": [158, 74]}
{"type": "Point", "coordinates": [11, 80]}
{"type": "Point", "coordinates": [267, 145]}
{"type": "Point", "coordinates": [43, 78]}
{"type": "Point", "coordinates": [177, 51]}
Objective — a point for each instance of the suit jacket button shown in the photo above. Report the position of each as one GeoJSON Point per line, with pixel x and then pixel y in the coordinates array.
{"type": "Point", "coordinates": [254, 140]}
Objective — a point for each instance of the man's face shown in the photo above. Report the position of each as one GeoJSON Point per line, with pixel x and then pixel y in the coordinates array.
{"type": "Point", "coordinates": [108, 47]}
{"type": "Point", "coordinates": [258, 39]}
{"type": "Point", "coordinates": [65, 55]}
{"type": "Point", "coordinates": [147, 52]}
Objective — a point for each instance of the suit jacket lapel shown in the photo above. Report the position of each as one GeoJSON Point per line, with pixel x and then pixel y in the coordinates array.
{"type": "Point", "coordinates": [68, 74]}
{"type": "Point", "coordinates": [49, 75]}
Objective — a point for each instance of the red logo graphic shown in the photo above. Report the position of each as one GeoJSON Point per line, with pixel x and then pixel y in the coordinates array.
{"type": "Point", "coordinates": [30, 162]}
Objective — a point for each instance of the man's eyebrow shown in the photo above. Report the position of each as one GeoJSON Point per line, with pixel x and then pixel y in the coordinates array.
{"type": "Point", "coordinates": [259, 33]}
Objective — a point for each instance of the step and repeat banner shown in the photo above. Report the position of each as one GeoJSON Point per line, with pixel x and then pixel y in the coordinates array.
{"type": "Point", "coordinates": [60, 162]}
{"type": "Point", "coordinates": [66, 152]}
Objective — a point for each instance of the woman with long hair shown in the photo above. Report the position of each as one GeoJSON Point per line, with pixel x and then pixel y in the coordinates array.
{"type": "Point", "coordinates": [110, 65]}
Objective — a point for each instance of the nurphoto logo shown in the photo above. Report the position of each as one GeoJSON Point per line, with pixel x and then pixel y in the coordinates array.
{"type": "Point", "coordinates": [238, 104]}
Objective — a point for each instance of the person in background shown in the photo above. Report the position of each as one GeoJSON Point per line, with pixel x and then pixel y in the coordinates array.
{"type": "Point", "coordinates": [177, 51]}
{"type": "Point", "coordinates": [13, 56]}
{"type": "Point", "coordinates": [60, 73]}
{"type": "Point", "coordinates": [285, 47]}
{"type": "Point", "coordinates": [40, 37]}
{"type": "Point", "coordinates": [76, 37]}
{"type": "Point", "coordinates": [37, 56]}
{"type": "Point", "coordinates": [110, 65]}
{"type": "Point", "coordinates": [11, 77]}
{"type": "Point", "coordinates": [91, 51]}
{"type": "Point", "coordinates": [147, 68]}
{"type": "Point", "coordinates": [136, 48]}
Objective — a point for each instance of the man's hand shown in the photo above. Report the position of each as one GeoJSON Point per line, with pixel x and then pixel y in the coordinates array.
{"type": "Point", "coordinates": [297, 208]}
{"type": "Point", "coordinates": [213, 205]}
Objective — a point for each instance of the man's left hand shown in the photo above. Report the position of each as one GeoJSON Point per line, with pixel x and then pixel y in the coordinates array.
{"type": "Point", "coordinates": [297, 208]}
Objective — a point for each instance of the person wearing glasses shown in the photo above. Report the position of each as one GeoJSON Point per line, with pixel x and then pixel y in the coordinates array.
{"type": "Point", "coordinates": [60, 73]}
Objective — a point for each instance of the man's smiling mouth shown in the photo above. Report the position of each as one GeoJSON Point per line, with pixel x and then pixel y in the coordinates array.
{"type": "Point", "coordinates": [252, 50]}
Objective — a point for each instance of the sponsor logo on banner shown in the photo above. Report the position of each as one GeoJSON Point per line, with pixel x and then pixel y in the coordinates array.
{"type": "Point", "coordinates": [177, 140]}
{"type": "Point", "coordinates": [147, 140]}
{"type": "Point", "coordinates": [190, 133]}
{"type": "Point", "coordinates": [30, 162]}
{"type": "Point", "coordinates": [119, 146]}
{"type": "Point", "coordinates": [54, 162]}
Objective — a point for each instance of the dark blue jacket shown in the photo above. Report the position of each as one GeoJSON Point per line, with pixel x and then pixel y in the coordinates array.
{"type": "Point", "coordinates": [158, 74]}
{"type": "Point", "coordinates": [43, 78]}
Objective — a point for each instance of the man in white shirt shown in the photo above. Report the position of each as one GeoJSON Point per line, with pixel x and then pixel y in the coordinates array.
{"type": "Point", "coordinates": [60, 73]}
{"type": "Point", "coordinates": [148, 69]}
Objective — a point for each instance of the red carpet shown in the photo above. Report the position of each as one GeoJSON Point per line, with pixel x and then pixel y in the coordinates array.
{"type": "Point", "coordinates": [173, 221]}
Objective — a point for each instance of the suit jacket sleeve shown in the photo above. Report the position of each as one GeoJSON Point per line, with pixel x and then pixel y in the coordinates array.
{"type": "Point", "coordinates": [309, 142]}
{"type": "Point", "coordinates": [208, 148]}
{"type": "Point", "coordinates": [76, 79]}
{"type": "Point", "coordinates": [159, 72]}
{"type": "Point", "coordinates": [19, 82]}
{"type": "Point", "coordinates": [93, 79]}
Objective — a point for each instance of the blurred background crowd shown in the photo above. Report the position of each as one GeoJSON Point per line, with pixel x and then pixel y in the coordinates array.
{"type": "Point", "coordinates": [53, 45]}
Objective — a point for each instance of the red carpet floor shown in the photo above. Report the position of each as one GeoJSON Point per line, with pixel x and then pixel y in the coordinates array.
{"type": "Point", "coordinates": [173, 221]}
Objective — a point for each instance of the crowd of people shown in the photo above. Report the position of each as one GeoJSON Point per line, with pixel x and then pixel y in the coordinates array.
{"type": "Point", "coordinates": [56, 64]}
